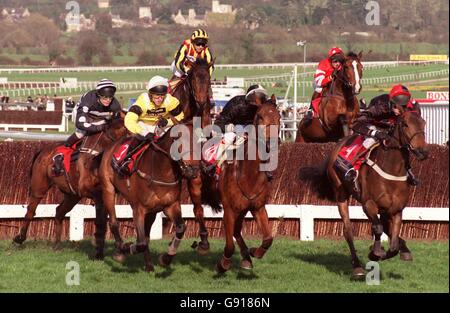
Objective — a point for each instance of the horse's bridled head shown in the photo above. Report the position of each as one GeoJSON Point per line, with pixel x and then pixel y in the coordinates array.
{"type": "Point", "coordinates": [413, 127]}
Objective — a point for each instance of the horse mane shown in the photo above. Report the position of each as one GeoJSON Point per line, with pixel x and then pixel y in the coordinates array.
{"type": "Point", "coordinates": [352, 55]}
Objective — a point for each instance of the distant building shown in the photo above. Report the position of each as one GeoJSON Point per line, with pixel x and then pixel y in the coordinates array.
{"type": "Point", "coordinates": [77, 23]}
{"type": "Point", "coordinates": [145, 12]}
{"type": "Point", "coordinates": [192, 19]}
{"type": "Point", "coordinates": [103, 4]}
{"type": "Point", "coordinates": [14, 15]}
{"type": "Point", "coordinates": [222, 8]}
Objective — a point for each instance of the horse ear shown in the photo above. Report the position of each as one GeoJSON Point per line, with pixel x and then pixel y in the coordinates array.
{"type": "Point", "coordinates": [360, 54]}
{"type": "Point", "coordinates": [273, 99]}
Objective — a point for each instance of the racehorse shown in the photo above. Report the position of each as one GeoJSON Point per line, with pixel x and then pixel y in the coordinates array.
{"type": "Point", "coordinates": [81, 181]}
{"type": "Point", "coordinates": [193, 93]}
{"type": "Point", "coordinates": [154, 187]}
{"type": "Point", "coordinates": [384, 189]}
{"type": "Point", "coordinates": [338, 106]}
{"type": "Point", "coordinates": [244, 187]}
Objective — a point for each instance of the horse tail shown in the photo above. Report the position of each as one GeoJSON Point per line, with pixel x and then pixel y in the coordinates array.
{"type": "Point", "coordinates": [210, 194]}
{"type": "Point", "coordinates": [320, 182]}
{"type": "Point", "coordinates": [35, 156]}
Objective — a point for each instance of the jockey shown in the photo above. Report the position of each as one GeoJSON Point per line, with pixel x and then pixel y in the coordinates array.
{"type": "Point", "coordinates": [323, 77]}
{"type": "Point", "coordinates": [148, 117]}
{"type": "Point", "coordinates": [189, 51]}
{"type": "Point", "coordinates": [96, 109]}
{"type": "Point", "coordinates": [383, 107]}
{"type": "Point", "coordinates": [239, 112]}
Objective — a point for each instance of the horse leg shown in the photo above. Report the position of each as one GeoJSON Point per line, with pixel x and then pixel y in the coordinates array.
{"type": "Point", "coordinates": [31, 212]}
{"type": "Point", "coordinates": [195, 189]}
{"type": "Point", "coordinates": [394, 245]}
{"type": "Point", "coordinates": [358, 271]}
{"type": "Point", "coordinates": [141, 244]}
{"type": "Point", "coordinates": [405, 253]}
{"type": "Point", "coordinates": [149, 220]}
{"type": "Point", "coordinates": [101, 218]}
{"type": "Point", "coordinates": [376, 252]}
{"type": "Point", "coordinates": [109, 195]}
{"type": "Point", "coordinates": [246, 262]}
{"type": "Point", "coordinates": [61, 210]}
{"type": "Point", "coordinates": [40, 184]}
{"type": "Point", "coordinates": [263, 222]}
{"type": "Point", "coordinates": [174, 213]}
{"type": "Point", "coordinates": [229, 219]}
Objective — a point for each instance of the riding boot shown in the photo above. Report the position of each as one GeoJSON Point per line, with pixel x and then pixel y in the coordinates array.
{"type": "Point", "coordinates": [58, 158]}
{"type": "Point", "coordinates": [411, 179]}
{"type": "Point", "coordinates": [121, 166]}
{"type": "Point", "coordinates": [308, 117]}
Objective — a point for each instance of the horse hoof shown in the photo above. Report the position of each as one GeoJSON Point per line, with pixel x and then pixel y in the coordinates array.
{"type": "Point", "coordinates": [165, 259]}
{"type": "Point", "coordinates": [406, 256]}
{"type": "Point", "coordinates": [149, 268]}
{"type": "Point", "coordinates": [246, 265]}
{"type": "Point", "coordinates": [99, 256]}
{"type": "Point", "coordinates": [119, 257]}
{"type": "Point", "coordinates": [256, 253]}
{"type": "Point", "coordinates": [18, 239]}
{"type": "Point", "coordinates": [220, 269]}
{"type": "Point", "coordinates": [377, 255]}
{"type": "Point", "coordinates": [358, 273]}
{"type": "Point", "coordinates": [390, 254]}
{"type": "Point", "coordinates": [57, 247]}
{"type": "Point", "coordinates": [203, 249]}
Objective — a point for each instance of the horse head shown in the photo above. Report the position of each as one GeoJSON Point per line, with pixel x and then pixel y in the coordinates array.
{"type": "Point", "coordinates": [353, 72]}
{"type": "Point", "coordinates": [199, 80]}
{"type": "Point", "coordinates": [267, 118]}
{"type": "Point", "coordinates": [410, 133]}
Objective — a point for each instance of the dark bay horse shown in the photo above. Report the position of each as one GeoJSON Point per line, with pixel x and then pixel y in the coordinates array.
{"type": "Point", "coordinates": [81, 181]}
{"type": "Point", "coordinates": [194, 94]}
{"type": "Point", "coordinates": [244, 187]}
{"type": "Point", "coordinates": [381, 193]}
{"type": "Point", "coordinates": [338, 107]}
{"type": "Point", "coordinates": [154, 187]}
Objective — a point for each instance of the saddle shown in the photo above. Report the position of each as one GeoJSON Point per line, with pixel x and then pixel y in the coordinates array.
{"type": "Point", "coordinates": [174, 82]}
{"type": "Point", "coordinates": [70, 154]}
{"type": "Point", "coordinates": [126, 167]}
{"type": "Point", "coordinates": [216, 155]}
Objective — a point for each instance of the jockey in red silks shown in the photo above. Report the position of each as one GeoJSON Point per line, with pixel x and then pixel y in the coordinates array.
{"type": "Point", "coordinates": [384, 107]}
{"type": "Point", "coordinates": [323, 77]}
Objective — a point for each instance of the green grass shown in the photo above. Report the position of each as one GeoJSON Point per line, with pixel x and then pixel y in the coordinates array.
{"type": "Point", "coordinates": [289, 266]}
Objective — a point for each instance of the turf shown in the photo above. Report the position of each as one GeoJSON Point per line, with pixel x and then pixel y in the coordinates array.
{"type": "Point", "coordinates": [290, 266]}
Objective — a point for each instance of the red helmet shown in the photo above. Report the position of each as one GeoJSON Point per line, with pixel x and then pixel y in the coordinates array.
{"type": "Point", "coordinates": [400, 95]}
{"type": "Point", "coordinates": [335, 50]}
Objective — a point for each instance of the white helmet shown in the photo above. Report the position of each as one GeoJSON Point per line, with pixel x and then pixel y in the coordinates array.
{"type": "Point", "coordinates": [158, 85]}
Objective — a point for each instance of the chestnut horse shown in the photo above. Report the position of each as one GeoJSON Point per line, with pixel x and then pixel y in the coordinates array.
{"type": "Point", "coordinates": [382, 194]}
{"type": "Point", "coordinates": [81, 181]}
{"type": "Point", "coordinates": [154, 187]}
{"type": "Point", "coordinates": [193, 93]}
{"type": "Point", "coordinates": [244, 187]}
{"type": "Point", "coordinates": [338, 107]}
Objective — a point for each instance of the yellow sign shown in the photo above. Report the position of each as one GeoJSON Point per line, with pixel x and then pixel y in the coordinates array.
{"type": "Point", "coordinates": [428, 57]}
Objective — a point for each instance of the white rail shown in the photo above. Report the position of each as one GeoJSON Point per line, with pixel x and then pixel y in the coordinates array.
{"type": "Point", "coordinates": [305, 213]}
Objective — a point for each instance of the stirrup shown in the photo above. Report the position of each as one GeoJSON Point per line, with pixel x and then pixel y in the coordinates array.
{"type": "Point", "coordinates": [351, 175]}
{"type": "Point", "coordinates": [58, 166]}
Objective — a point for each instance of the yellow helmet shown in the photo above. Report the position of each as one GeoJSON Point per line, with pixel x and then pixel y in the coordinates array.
{"type": "Point", "coordinates": [199, 34]}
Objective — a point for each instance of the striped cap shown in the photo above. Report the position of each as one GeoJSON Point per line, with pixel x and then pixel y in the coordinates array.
{"type": "Point", "coordinates": [199, 34]}
{"type": "Point", "coordinates": [105, 83]}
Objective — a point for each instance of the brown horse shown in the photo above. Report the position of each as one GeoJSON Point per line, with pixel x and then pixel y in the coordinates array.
{"type": "Point", "coordinates": [154, 187]}
{"type": "Point", "coordinates": [81, 181]}
{"type": "Point", "coordinates": [244, 187]}
{"type": "Point", "coordinates": [381, 193]}
{"type": "Point", "coordinates": [338, 107]}
{"type": "Point", "coordinates": [193, 93]}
